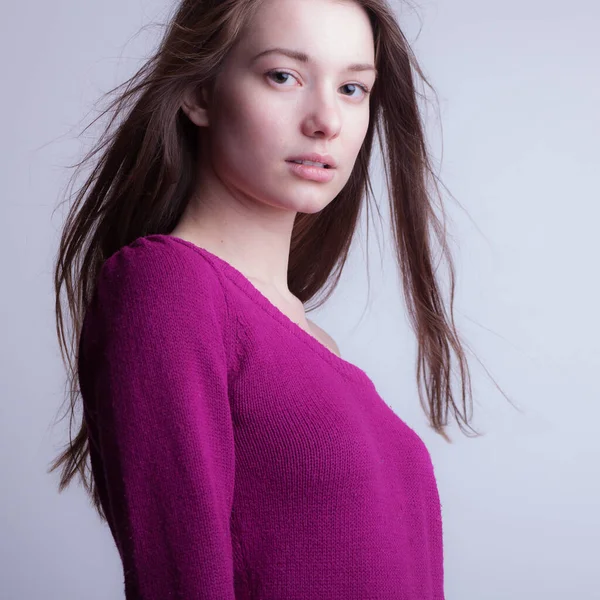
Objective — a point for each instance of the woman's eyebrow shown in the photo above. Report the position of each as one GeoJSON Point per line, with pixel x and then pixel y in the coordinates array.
{"type": "Point", "coordinates": [303, 57]}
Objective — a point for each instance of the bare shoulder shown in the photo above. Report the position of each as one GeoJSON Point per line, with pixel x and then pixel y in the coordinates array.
{"type": "Point", "coordinates": [324, 337]}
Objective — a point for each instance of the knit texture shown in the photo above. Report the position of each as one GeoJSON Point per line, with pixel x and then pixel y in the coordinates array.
{"type": "Point", "coordinates": [235, 455]}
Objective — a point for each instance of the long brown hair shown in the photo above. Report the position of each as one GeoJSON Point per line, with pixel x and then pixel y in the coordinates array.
{"type": "Point", "coordinates": [145, 171]}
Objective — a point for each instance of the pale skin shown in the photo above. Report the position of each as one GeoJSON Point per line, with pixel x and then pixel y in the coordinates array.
{"type": "Point", "coordinates": [260, 113]}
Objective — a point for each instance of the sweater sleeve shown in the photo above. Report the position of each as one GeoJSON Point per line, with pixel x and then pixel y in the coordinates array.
{"type": "Point", "coordinates": [153, 375]}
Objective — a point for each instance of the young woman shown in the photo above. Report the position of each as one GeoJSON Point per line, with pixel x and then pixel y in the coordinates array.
{"type": "Point", "coordinates": [233, 452]}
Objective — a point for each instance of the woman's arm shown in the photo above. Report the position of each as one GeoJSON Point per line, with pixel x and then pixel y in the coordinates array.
{"type": "Point", "coordinates": [154, 381]}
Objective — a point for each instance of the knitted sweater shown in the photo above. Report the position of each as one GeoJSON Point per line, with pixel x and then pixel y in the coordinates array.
{"type": "Point", "coordinates": [237, 457]}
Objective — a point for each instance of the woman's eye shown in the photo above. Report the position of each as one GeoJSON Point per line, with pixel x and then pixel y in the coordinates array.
{"type": "Point", "coordinates": [270, 73]}
{"type": "Point", "coordinates": [364, 88]}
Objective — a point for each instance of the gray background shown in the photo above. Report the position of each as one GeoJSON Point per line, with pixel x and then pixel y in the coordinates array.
{"type": "Point", "coordinates": [519, 96]}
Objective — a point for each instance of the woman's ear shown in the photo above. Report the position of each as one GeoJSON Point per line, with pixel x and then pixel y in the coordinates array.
{"type": "Point", "coordinates": [195, 105]}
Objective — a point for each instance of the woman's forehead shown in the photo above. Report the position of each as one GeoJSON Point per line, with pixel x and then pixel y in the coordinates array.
{"type": "Point", "coordinates": [327, 32]}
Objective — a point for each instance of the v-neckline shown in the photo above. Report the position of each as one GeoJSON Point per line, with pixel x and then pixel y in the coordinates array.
{"type": "Point", "coordinates": [266, 304]}
{"type": "Point", "coordinates": [304, 318]}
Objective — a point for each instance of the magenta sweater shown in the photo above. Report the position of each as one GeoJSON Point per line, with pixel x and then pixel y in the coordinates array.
{"type": "Point", "coordinates": [235, 455]}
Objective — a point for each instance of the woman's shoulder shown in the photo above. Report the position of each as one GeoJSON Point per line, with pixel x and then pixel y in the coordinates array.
{"type": "Point", "coordinates": [155, 278]}
{"type": "Point", "coordinates": [155, 264]}
{"type": "Point", "coordinates": [158, 294]}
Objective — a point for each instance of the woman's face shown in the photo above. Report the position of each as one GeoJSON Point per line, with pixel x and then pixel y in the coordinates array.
{"type": "Point", "coordinates": [266, 110]}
